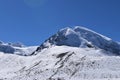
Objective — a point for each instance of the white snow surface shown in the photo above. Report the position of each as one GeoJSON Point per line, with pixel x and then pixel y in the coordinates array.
{"type": "Point", "coordinates": [61, 63]}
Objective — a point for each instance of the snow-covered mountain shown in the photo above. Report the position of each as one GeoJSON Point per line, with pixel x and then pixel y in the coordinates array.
{"type": "Point", "coordinates": [16, 48]}
{"type": "Point", "coordinates": [61, 63]}
{"type": "Point", "coordinates": [70, 54]}
{"type": "Point", "coordinates": [81, 37]}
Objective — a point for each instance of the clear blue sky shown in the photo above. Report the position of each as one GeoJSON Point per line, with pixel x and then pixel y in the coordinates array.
{"type": "Point", "coordinates": [33, 21]}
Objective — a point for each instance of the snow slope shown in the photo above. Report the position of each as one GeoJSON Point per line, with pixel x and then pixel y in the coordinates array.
{"type": "Point", "coordinates": [61, 63]}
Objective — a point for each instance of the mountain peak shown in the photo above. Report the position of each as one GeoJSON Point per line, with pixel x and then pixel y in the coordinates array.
{"type": "Point", "coordinates": [66, 31]}
{"type": "Point", "coordinates": [83, 28]}
{"type": "Point", "coordinates": [81, 37]}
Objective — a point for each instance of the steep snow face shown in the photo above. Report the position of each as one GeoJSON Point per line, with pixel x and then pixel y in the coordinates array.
{"type": "Point", "coordinates": [98, 40]}
{"type": "Point", "coordinates": [61, 63]}
{"type": "Point", "coordinates": [84, 30]}
{"type": "Point", "coordinates": [81, 37]}
{"type": "Point", "coordinates": [16, 48]}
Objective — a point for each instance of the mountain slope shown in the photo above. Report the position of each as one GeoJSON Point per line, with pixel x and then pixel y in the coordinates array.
{"type": "Point", "coordinates": [81, 37]}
